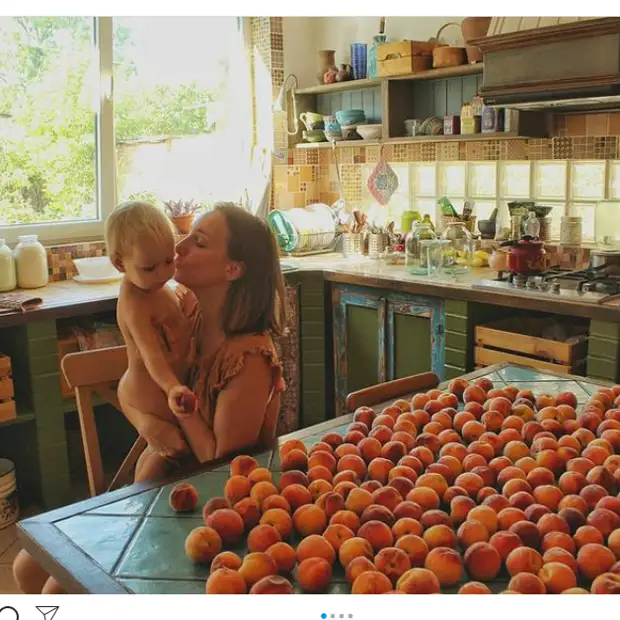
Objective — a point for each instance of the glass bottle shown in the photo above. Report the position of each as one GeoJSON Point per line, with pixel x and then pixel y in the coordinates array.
{"type": "Point", "coordinates": [377, 40]}
{"type": "Point", "coordinates": [458, 256]}
{"type": "Point", "coordinates": [416, 260]}
{"type": "Point", "coordinates": [427, 220]}
{"type": "Point", "coordinates": [8, 277]}
{"type": "Point", "coordinates": [31, 262]}
{"type": "Point", "coordinates": [532, 225]}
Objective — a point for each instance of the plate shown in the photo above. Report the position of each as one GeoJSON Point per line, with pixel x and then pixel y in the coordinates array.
{"type": "Point", "coordinates": [104, 280]}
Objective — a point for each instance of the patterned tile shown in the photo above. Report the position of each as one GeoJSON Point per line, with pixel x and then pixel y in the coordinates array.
{"type": "Point", "coordinates": [562, 148]}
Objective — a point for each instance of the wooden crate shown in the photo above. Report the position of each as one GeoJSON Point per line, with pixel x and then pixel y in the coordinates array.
{"type": "Point", "coordinates": [403, 57]}
{"type": "Point", "coordinates": [65, 345]}
{"type": "Point", "coordinates": [8, 410]}
{"type": "Point", "coordinates": [521, 341]}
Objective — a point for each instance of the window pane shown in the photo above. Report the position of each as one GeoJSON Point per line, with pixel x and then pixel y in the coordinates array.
{"type": "Point", "coordinates": [586, 212]}
{"type": "Point", "coordinates": [47, 119]}
{"type": "Point", "coordinates": [174, 108]}
{"type": "Point", "coordinates": [550, 179]}
{"type": "Point", "coordinates": [483, 210]}
{"type": "Point", "coordinates": [452, 180]}
{"type": "Point", "coordinates": [482, 180]}
{"type": "Point", "coordinates": [515, 179]}
{"type": "Point", "coordinates": [588, 180]}
{"type": "Point", "coordinates": [614, 175]}
{"type": "Point", "coordinates": [424, 179]}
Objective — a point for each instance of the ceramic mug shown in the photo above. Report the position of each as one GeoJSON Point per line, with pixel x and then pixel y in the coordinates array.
{"type": "Point", "coordinates": [311, 120]}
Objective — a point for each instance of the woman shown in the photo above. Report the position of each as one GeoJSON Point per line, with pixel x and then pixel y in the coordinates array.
{"type": "Point", "coordinates": [233, 295]}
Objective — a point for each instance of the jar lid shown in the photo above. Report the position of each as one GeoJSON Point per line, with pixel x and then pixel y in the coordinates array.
{"type": "Point", "coordinates": [28, 238]}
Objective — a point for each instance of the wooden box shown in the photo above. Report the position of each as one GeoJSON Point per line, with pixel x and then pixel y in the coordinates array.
{"type": "Point", "coordinates": [65, 345]}
{"type": "Point", "coordinates": [7, 392]}
{"type": "Point", "coordinates": [403, 57]}
{"type": "Point", "coordinates": [522, 341]}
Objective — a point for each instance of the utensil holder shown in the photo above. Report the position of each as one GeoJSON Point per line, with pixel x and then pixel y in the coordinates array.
{"type": "Point", "coordinates": [353, 244]}
{"type": "Point", "coordinates": [377, 243]}
{"type": "Point", "coordinates": [470, 224]}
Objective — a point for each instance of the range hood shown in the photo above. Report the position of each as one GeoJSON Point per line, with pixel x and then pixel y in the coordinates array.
{"type": "Point", "coordinates": [568, 67]}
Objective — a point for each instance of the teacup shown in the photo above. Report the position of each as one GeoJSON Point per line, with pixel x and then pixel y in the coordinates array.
{"type": "Point", "coordinates": [312, 120]}
{"type": "Point", "coordinates": [331, 124]}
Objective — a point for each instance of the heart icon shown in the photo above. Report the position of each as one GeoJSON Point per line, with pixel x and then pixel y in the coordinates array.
{"type": "Point", "coordinates": [8, 613]}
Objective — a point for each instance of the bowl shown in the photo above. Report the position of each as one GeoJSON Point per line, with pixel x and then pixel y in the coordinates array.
{"type": "Point", "coordinates": [349, 132]}
{"type": "Point", "coordinates": [332, 135]}
{"type": "Point", "coordinates": [350, 117]}
{"type": "Point", "coordinates": [314, 136]}
{"type": "Point", "coordinates": [370, 132]}
{"type": "Point", "coordinates": [95, 268]}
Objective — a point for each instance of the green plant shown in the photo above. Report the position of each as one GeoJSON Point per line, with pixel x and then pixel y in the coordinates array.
{"type": "Point", "coordinates": [181, 208]}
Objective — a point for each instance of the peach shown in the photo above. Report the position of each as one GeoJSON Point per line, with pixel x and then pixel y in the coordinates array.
{"type": "Point", "coordinates": [435, 517]}
{"type": "Point", "coordinates": [392, 562]}
{"type": "Point", "coordinates": [461, 418]}
{"type": "Point", "coordinates": [559, 540]}
{"type": "Point", "coordinates": [433, 406]}
{"type": "Point", "coordinates": [446, 564]}
{"type": "Point", "coordinates": [573, 501]}
{"type": "Point", "coordinates": [424, 455]}
{"type": "Point", "coordinates": [502, 405]}
{"type": "Point", "coordinates": [513, 421]}
{"type": "Point", "coordinates": [356, 567]}
{"type": "Point", "coordinates": [183, 497]}
{"type": "Point", "coordinates": [400, 437]}
{"type": "Point", "coordinates": [526, 465]}
{"type": "Point", "coordinates": [448, 436]}
{"type": "Point", "coordinates": [419, 401]}
{"type": "Point", "coordinates": [484, 493]}
{"type": "Point", "coordinates": [226, 559]}
{"type": "Point", "coordinates": [474, 393]}
{"type": "Point", "coordinates": [511, 473]}
{"type": "Point", "coordinates": [225, 581]}
{"type": "Point", "coordinates": [202, 544]}
{"type": "Point", "coordinates": [344, 488]}
{"type": "Point", "coordinates": [415, 547]}
{"type": "Point", "coordinates": [420, 418]}
{"type": "Point", "coordinates": [356, 426]}
{"type": "Point", "coordinates": [213, 504]}
{"type": "Point", "coordinates": [335, 535]}
{"type": "Point", "coordinates": [433, 481]}
{"type": "Point", "coordinates": [409, 510]}
{"type": "Point", "coordinates": [369, 448]}
{"type": "Point", "coordinates": [405, 527]}
{"type": "Point", "coordinates": [276, 501]}
{"type": "Point", "coordinates": [594, 560]}
{"type": "Point", "coordinates": [551, 460]}
{"type": "Point", "coordinates": [471, 532]}
{"type": "Point", "coordinates": [584, 436]}
{"type": "Point", "coordinates": [603, 477]}
{"type": "Point", "coordinates": [497, 502]}
{"type": "Point", "coordinates": [607, 583]}
{"type": "Point", "coordinates": [534, 512]}
{"type": "Point", "coordinates": [227, 523]}
{"type": "Point", "coordinates": [402, 486]}
{"type": "Point", "coordinates": [587, 534]}
{"type": "Point", "coordinates": [377, 512]}
{"type": "Point", "coordinates": [613, 437]}
{"type": "Point", "coordinates": [272, 584]}
{"type": "Point", "coordinates": [262, 490]}
{"type": "Point", "coordinates": [523, 560]}
{"type": "Point", "coordinates": [384, 420]}
{"type": "Point", "coordinates": [365, 415]}
{"type": "Point", "coordinates": [249, 511]}
{"type": "Point", "coordinates": [443, 419]}
{"type": "Point", "coordinates": [485, 515]}
{"type": "Point", "coordinates": [320, 446]}
{"type": "Point", "coordinates": [262, 537]}
{"type": "Point", "coordinates": [260, 474]}
{"type": "Point", "coordinates": [524, 410]}
{"type": "Point", "coordinates": [425, 497]}
{"type": "Point", "coordinates": [358, 500]}
{"type": "Point", "coordinates": [292, 444]}
{"type": "Point", "coordinates": [332, 439]}
{"type": "Point", "coordinates": [482, 561]}
{"type": "Point", "coordinates": [440, 536]}
{"type": "Point", "coordinates": [429, 441]}
{"type": "Point", "coordinates": [540, 476]}
{"type": "Point", "coordinates": [314, 575]}
{"type": "Point", "coordinates": [309, 519]}
{"type": "Point", "coordinates": [576, 591]}
{"type": "Point", "coordinates": [527, 532]}
{"type": "Point", "coordinates": [347, 518]}
{"type": "Point", "coordinates": [485, 450]}
{"type": "Point", "coordinates": [527, 583]}
{"type": "Point", "coordinates": [521, 499]}
{"type": "Point", "coordinates": [354, 548]}
{"type": "Point", "coordinates": [596, 454]}
{"type": "Point", "coordinates": [330, 503]}
{"type": "Point", "coordinates": [353, 437]}
{"type": "Point", "coordinates": [573, 517]}
{"type": "Point", "coordinates": [405, 425]}
{"type": "Point", "coordinates": [243, 465]}
{"type": "Point", "coordinates": [322, 458]}
{"type": "Point", "coordinates": [402, 471]}
{"type": "Point", "coordinates": [504, 543]}
{"type": "Point", "coordinates": [605, 521]}
{"type": "Point", "coordinates": [387, 496]}
{"type": "Point", "coordinates": [472, 460]}
{"type": "Point", "coordinates": [292, 477]}
{"type": "Point", "coordinates": [283, 555]}
{"type": "Point", "coordinates": [548, 495]}
{"type": "Point", "coordinates": [572, 482]}
{"type": "Point", "coordinates": [552, 523]}
{"type": "Point", "coordinates": [371, 582]}
{"type": "Point", "coordinates": [379, 469]}
{"type": "Point", "coordinates": [279, 519]}
{"type": "Point", "coordinates": [530, 430]}
{"type": "Point", "coordinates": [472, 430]}
{"type": "Point", "coordinates": [297, 495]}
{"type": "Point", "coordinates": [419, 581]}
{"type": "Point", "coordinates": [613, 542]}
{"type": "Point", "coordinates": [377, 533]}
{"type": "Point", "coordinates": [320, 472]}
{"type": "Point", "coordinates": [591, 494]}
{"type": "Point", "coordinates": [296, 459]}
{"type": "Point", "coordinates": [371, 485]}
{"type": "Point", "coordinates": [558, 554]}
{"type": "Point", "coordinates": [471, 482]}
{"type": "Point", "coordinates": [474, 587]}
{"type": "Point", "coordinates": [315, 546]}
{"type": "Point", "coordinates": [544, 400]}
{"type": "Point", "coordinates": [509, 516]}
{"type": "Point", "coordinates": [449, 399]}
{"type": "Point", "coordinates": [460, 507]}
{"type": "Point", "coordinates": [458, 387]}
{"type": "Point", "coordinates": [381, 433]}
{"type": "Point", "coordinates": [485, 383]}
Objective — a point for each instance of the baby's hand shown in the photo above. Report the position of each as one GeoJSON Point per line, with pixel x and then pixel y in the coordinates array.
{"type": "Point", "coordinates": [182, 401]}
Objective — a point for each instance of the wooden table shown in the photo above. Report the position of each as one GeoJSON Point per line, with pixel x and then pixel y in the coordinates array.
{"type": "Point", "coordinates": [130, 541]}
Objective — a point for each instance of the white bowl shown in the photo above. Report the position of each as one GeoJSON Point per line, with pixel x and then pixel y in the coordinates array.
{"type": "Point", "coordinates": [369, 132]}
{"type": "Point", "coordinates": [95, 268]}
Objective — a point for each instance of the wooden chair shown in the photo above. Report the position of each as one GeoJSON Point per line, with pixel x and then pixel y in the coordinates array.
{"type": "Point", "coordinates": [97, 372]}
{"type": "Point", "coordinates": [391, 390]}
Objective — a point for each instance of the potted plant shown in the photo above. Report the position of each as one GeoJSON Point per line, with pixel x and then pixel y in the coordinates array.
{"type": "Point", "coordinates": [182, 213]}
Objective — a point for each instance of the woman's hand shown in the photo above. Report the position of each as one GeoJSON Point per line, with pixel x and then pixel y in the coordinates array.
{"type": "Point", "coordinates": [182, 401]}
{"type": "Point", "coordinates": [164, 438]}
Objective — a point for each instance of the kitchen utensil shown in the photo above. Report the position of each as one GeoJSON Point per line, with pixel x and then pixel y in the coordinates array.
{"type": "Point", "coordinates": [540, 210]}
{"type": "Point", "coordinates": [349, 132]}
{"type": "Point", "coordinates": [383, 181]}
{"type": "Point", "coordinates": [474, 28]}
{"type": "Point", "coordinates": [370, 132]}
{"type": "Point", "coordinates": [448, 55]}
{"type": "Point", "coordinates": [352, 244]}
{"type": "Point", "coordinates": [520, 207]}
{"type": "Point", "coordinates": [333, 135]}
{"type": "Point", "coordinates": [377, 243]}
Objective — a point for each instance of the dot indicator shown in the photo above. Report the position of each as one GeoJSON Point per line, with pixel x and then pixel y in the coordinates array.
{"type": "Point", "coordinates": [323, 616]}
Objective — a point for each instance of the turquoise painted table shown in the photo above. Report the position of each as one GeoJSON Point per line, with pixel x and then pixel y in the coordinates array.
{"type": "Point", "coordinates": [130, 541]}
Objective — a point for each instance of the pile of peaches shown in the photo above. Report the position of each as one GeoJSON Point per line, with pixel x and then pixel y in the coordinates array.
{"type": "Point", "coordinates": [515, 489]}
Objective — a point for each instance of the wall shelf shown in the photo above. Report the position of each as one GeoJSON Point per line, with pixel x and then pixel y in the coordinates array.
{"type": "Point", "coordinates": [431, 74]}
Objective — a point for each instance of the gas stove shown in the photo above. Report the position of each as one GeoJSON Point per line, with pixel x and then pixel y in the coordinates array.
{"type": "Point", "coordinates": [585, 286]}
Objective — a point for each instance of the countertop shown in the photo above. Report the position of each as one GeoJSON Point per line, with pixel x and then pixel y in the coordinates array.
{"type": "Point", "coordinates": [70, 298]}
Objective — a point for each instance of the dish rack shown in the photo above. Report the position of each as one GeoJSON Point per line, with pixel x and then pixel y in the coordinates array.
{"type": "Point", "coordinates": [310, 244]}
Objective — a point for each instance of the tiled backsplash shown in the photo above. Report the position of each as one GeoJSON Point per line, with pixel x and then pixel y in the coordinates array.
{"type": "Point", "coordinates": [60, 258]}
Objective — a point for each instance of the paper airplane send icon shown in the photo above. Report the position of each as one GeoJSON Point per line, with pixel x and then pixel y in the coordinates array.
{"type": "Point", "coordinates": [48, 612]}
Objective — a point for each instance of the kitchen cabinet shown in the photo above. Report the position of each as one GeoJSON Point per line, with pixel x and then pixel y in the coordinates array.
{"type": "Point", "coordinates": [382, 335]}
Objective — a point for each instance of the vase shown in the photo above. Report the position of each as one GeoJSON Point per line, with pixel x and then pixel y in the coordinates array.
{"type": "Point", "coordinates": [377, 40]}
{"type": "Point", "coordinates": [344, 73]}
{"type": "Point", "coordinates": [183, 223]}
{"type": "Point", "coordinates": [359, 60]}
{"type": "Point", "coordinates": [474, 28]}
{"type": "Point", "coordinates": [326, 62]}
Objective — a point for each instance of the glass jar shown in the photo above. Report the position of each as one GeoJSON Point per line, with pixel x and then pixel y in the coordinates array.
{"type": "Point", "coordinates": [8, 277]}
{"type": "Point", "coordinates": [31, 262]}
{"type": "Point", "coordinates": [416, 259]}
{"type": "Point", "coordinates": [532, 225]}
{"type": "Point", "coordinates": [458, 256]}
{"type": "Point", "coordinates": [570, 230]}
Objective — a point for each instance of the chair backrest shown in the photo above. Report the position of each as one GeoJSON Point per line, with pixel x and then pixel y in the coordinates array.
{"type": "Point", "coordinates": [94, 372]}
{"type": "Point", "coordinates": [391, 390]}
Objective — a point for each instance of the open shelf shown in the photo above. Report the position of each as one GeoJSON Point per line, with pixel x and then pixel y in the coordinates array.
{"type": "Point", "coordinates": [411, 140]}
{"type": "Point", "coordinates": [431, 74]}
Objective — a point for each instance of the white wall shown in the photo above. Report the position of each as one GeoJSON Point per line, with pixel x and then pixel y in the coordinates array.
{"type": "Point", "coordinates": [305, 36]}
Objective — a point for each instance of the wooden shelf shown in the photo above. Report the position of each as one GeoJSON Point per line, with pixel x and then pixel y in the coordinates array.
{"type": "Point", "coordinates": [477, 137]}
{"type": "Point", "coordinates": [19, 419]}
{"type": "Point", "coordinates": [431, 74]}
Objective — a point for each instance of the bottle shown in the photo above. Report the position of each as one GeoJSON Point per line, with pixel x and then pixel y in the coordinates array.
{"type": "Point", "coordinates": [416, 256]}
{"type": "Point", "coordinates": [427, 220]}
{"type": "Point", "coordinates": [31, 262]}
{"type": "Point", "coordinates": [532, 225]}
{"type": "Point", "coordinates": [8, 277]}
{"type": "Point", "coordinates": [447, 208]}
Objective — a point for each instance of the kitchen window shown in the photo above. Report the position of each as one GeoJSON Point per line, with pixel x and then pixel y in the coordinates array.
{"type": "Point", "coordinates": [95, 111]}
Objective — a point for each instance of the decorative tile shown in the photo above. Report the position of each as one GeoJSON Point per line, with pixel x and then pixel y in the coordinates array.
{"type": "Point", "coordinates": [562, 148]}
{"type": "Point", "coordinates": [575, 125]}
{"type": "Point", "coordinates": [559, 125]}
{"type": "Point", "coordinates": [540, 149]}
{"type": "Point", "coordinates": [516, 150]}
{"type": "Point", "coordinates": [447, 151]}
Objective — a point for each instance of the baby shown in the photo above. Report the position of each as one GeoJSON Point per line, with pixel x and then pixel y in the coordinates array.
{"type": "Point", "coordinates": [140, 244]}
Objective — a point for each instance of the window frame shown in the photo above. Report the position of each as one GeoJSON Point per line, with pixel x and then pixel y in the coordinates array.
{"type": "Point", "coordinates": [58, 233]}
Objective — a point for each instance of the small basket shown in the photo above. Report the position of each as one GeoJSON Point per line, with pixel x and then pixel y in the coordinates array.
{"type": "Point", "coordinates": [353, 244]}
{"type": "Point", "coordinates": [377, 243]}
{"type": "Point", "coordinates": [448, 55]}
{"type": "Point", "coordinates": [470, 224]}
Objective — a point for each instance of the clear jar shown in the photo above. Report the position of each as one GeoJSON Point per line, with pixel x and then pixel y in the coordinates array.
{"type": "Point", "coordinates": [570, 230]}
{"type": "Point", "coordinates": [416, 259]}
{"type": "Point", "coordinates": [458, 256]}
{"type": "Point", "coordinates": [31, 262]}
{"type": "Point", "coordinates": [532, 225]}
{"type": "Point", "coordinates": [8, 277]}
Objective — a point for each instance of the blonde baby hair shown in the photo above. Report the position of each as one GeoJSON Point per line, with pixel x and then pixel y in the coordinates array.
{"type": "Point", "coordinates": [134, 221]}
